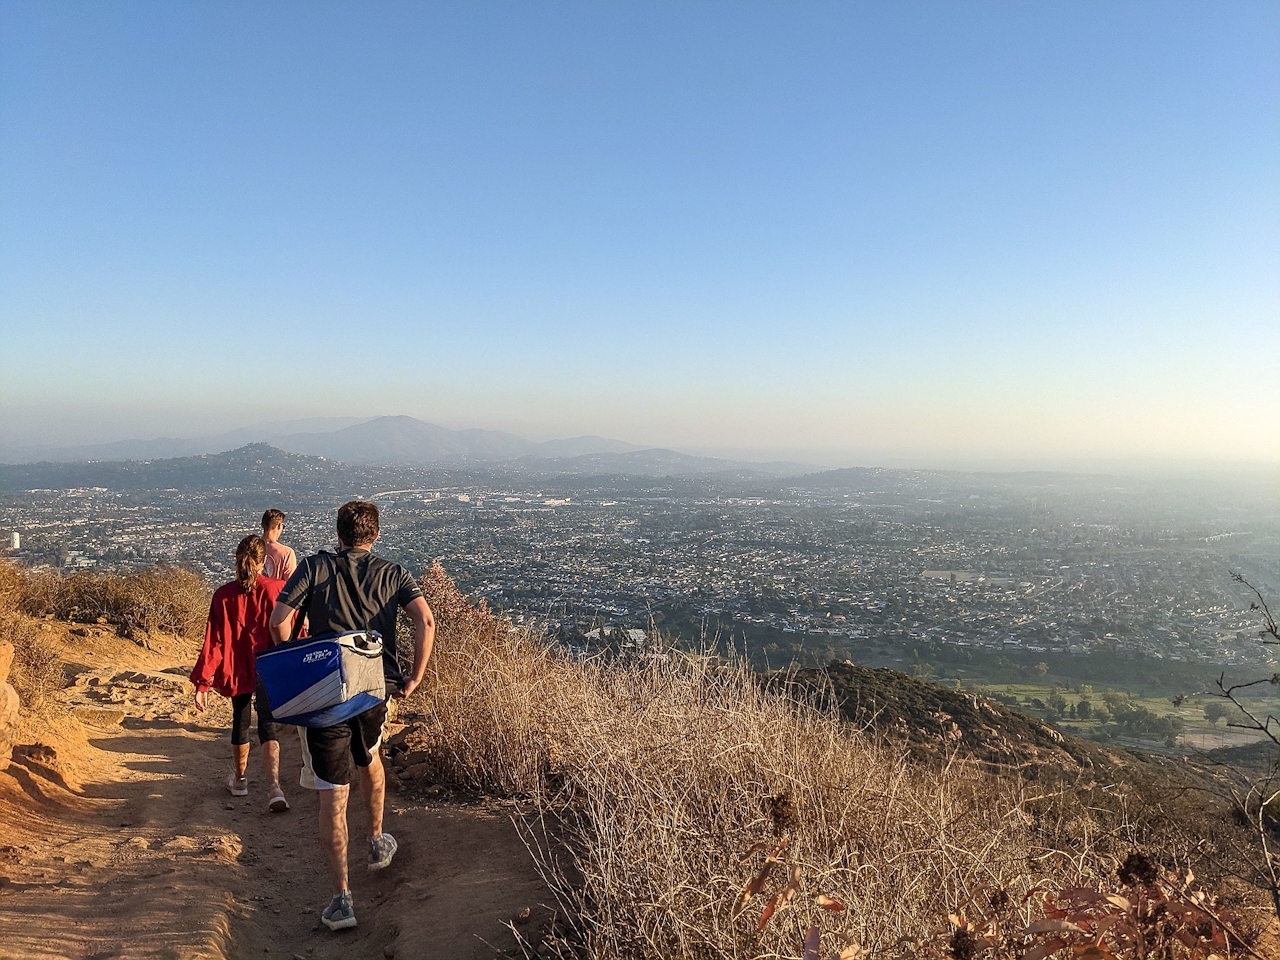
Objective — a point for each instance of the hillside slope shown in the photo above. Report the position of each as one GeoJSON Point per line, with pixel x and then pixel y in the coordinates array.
{"type": "Point", "coordinates": [932, 720]}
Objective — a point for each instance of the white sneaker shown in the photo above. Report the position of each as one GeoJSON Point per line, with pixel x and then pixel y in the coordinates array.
{"type": "Point", "coordinates": [237, 786]}
{"type": "Point", "coordinates": [381, 849]}
{"type": "Point", "coordinates": [340, 914]}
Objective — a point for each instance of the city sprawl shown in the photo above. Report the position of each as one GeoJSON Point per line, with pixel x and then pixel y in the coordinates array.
{"type": "Point", "coordinates": [795, 570]}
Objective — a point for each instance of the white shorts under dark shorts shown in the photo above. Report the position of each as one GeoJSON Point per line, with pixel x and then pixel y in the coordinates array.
{"type": "Point", "coordinates": [330, 755]}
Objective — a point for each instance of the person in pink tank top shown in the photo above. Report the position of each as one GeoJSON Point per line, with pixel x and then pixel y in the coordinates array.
{"type": "Point", "coordinates": [281, 560]}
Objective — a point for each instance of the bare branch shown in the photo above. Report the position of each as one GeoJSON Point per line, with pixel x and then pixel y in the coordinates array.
{"type": "Point", "coordinates": [1269, 626]}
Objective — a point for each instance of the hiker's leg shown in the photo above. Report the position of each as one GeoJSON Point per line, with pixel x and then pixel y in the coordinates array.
{"type": "Point", "coordinates": [240, 717]}
{"type": "Point", "coordinates": [271, 761]}
{"type": "Point", "coordinates": [373, 787]}
{"type": "Point", "coordinates": [329, 749]}
{"type": "Point", "coordinates": [333, 834]}
{"type": "Point", "coordinates": [366, 746]}
{"type": "Point", "coordinates": [267, 736]}
{"type": "Point", "coordinates": [240, 757]}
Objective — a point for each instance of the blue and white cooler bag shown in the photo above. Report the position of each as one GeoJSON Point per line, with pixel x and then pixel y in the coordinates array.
{"type": "Point", "coordinates": [321, 681]}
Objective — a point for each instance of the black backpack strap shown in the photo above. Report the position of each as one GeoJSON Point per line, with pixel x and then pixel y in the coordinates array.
{"type": "Point", "coordinates": [343, 567]}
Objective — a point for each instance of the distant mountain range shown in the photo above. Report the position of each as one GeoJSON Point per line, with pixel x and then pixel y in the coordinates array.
{"type": "Point", "coordinates": [255, 466]}
{"type": "Point", "coordinates": [397, 442]}
{"type": "Point", "coordinates": [409, 441]}
{"type": "Point", "coordinates": [380, 440]}
{"type": "Point", "coordinates": [160, 448]}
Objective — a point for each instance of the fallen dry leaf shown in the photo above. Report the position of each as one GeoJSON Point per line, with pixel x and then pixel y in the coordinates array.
{"type": "Point", "coordinates": [1042, 950]}
{"type": "Point", "coordinates": [1052, 926]}
{"type": "Point", "coordinates": [758, 847]}
{"type": "Point", "coordinates": [769, 909]}
{"type": "Point", "coordinates": [755, 884]}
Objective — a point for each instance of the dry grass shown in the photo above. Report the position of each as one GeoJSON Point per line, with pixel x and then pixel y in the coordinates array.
{"type": "Point", "coordinates": [165, 597]}
{"type": "Point", "coordinates": [36, 673]}
{"type": "Point", "coordinates": [11, 586]}
{"type": "Point", "coordinates": [663, 776]}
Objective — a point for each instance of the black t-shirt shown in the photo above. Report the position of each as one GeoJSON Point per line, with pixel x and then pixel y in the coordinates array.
{"type": "Point", "coordinates": [321, 591]}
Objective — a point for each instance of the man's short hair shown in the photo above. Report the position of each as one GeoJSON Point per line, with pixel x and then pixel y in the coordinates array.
{"type": "Point", "coordinates": [357, 523]}
{"type": "Point", "coordinates": [272, 519]}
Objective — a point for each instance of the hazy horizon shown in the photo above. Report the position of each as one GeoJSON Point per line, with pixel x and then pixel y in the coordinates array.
{"type": "Point", "coordinates": [923, 234]}
{"type": "Point", "coordinates": [240, 434]}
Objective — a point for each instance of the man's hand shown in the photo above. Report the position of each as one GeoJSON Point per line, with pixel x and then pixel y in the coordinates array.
{"type": "Point", "coordinates": [406, 688]}
{"type": "Point", "coordinates": [202, 700]}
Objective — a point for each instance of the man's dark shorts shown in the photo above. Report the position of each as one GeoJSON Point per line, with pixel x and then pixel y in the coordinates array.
{"type": "Point", "coordinates": [330, 755]}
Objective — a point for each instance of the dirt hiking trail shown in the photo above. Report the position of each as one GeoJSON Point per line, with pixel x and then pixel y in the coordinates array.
{"type": "Point", "coordinates": [118, 839]}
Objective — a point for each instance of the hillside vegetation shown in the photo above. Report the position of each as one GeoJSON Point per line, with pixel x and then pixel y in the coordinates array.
{"type": "Point", "coordinates": [164, 598]}
{"type": "Point", "coordinates": [687, 809]}
{"type": "Point", "coordinates": [678, 807]}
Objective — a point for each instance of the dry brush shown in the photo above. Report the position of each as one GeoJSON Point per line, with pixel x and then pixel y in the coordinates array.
{"type": "Point", "coordinates": [682, 809]}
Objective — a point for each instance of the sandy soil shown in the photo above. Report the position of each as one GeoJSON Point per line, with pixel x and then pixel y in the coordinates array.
{"type": "Point", "coordinates": [118, 840]}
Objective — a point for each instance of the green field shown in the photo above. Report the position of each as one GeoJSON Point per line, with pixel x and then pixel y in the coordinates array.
{"type": "Point", "coordinates": [1181, 727]}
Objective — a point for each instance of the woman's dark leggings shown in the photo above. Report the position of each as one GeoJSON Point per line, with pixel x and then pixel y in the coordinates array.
{"type": "Point", "coordinates": [240, 716]}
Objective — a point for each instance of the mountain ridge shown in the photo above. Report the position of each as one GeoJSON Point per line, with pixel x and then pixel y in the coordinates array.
{"type": "Point", "coordinates": [263, 466]}
{"type": "Point", "coordinates": [386, 440]}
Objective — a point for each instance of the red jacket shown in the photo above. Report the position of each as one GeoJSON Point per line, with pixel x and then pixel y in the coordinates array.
{"type": "Point", "coordinates": [238, 627]}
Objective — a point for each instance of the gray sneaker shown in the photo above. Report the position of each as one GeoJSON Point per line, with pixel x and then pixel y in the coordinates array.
{"type": "Point", "coordinates": [340, 914]}
{"type": "Point", "coordinates": [381, 849]}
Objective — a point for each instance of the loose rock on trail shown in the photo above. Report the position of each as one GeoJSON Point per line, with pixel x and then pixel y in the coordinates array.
{"type": "Point", "coordinates": [118, 839]}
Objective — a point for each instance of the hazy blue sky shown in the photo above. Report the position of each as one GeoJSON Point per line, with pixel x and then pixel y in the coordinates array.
{"type": "Point", "coordinates": [877, 230]}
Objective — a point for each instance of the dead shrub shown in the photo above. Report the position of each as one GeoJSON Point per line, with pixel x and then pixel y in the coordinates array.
{"type": "Point", "coordinates": [166, 597]}
{"type": "Point", "coordinates": [171, 598]}
{"type": "Point", "coordinates": [670, 779]}
{"type": "Point", "coordinates": [11, 586]}
{"type": "Point", "coordinates": [36, 673]}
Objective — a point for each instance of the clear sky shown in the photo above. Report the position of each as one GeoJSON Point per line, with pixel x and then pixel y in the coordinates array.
{"type": "Point", "coordinates": [861, 231]}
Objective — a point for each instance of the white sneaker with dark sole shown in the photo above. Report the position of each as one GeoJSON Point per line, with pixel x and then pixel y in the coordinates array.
{"type": "Point", "coordinates": [381, 849]}
{"type": "Point", "coordinates": [340, 914]}
{"type": "Point", "coordinates": [277, 803]}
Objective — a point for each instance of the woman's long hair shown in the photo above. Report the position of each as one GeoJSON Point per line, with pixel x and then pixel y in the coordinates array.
{"type": "Point", "coordinates": [250, 556]}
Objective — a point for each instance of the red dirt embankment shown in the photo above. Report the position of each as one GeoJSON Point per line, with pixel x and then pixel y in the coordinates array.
{"type": "Point", "coordinates": [119, 840]}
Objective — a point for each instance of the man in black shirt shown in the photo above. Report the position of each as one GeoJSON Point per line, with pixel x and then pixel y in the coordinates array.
{"type": "Point", "coordinates": [354, 590]}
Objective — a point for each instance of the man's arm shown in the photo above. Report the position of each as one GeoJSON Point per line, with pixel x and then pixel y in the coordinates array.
{"type": "Point", "coordinates": [292, 599]}
{"type": "Point", "coordinates": [424, 638]}
{"type": "Point", "coordinates": [281, 622]}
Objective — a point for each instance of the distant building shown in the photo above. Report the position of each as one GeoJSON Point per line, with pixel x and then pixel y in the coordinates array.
{"type": "Point", "coordinates": [16, 540]}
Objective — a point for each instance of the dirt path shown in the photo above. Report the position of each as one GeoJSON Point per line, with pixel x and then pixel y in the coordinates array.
{"type": "Point", "coordinates": [126, 844]}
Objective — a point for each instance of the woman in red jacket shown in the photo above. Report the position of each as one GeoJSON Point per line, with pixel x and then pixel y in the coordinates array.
{"type": "Point", "coordinates": [238, 628]}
